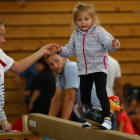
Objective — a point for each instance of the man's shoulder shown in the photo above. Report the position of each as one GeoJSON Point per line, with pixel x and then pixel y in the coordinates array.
{"type": "Point", "coordinates": [70, 65]}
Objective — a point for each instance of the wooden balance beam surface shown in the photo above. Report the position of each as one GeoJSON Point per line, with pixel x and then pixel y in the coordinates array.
{"type": "Point", "coordinates": [19, 135]}
{"type": "Point", "coordinates": [61, 129]}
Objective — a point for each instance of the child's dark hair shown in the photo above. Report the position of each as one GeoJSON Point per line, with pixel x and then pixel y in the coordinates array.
{"type": "Point", "coordinates": [47, 56]}
{"type": "Point", "coordinates": [126, 86]}
{"type": "Point", "coordinates": [43, 61]}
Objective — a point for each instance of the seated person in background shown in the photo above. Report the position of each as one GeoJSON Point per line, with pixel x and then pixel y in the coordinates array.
{"type": "Point", "coordinates": [131, 102]}
{"type": "Point", "coordinates": [67, 80]}
{"type": "Point", "coordinates": [42, 88]}
{"type": "Point", "coordinates": [132, 108]}
{"type": "Point", "coordinates": [29, 74]}
{"type": "Point", "coordinates": [123, 123]}
{"type": "Point", "coordinates": [114, 79]}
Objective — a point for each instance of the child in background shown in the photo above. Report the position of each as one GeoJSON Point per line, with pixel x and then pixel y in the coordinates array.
{"type": "Point", "coordinates": [42, 88]}
{"type": "Point", "coordinates": [7, 63]}
{"type": "Point", "coordinates": [91, 43]}
{"type": "Point", "coordinates": [123, 123]}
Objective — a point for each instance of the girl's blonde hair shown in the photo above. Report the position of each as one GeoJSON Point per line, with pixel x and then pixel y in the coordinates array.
{"type": "Point", "coordinates": [84, 7]}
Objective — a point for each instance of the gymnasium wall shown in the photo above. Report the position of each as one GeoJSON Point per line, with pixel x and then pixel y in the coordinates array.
{"type": "Point", "coordinates": [35, 23]}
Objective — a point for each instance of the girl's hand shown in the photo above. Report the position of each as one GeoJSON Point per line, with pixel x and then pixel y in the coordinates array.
{"type": "Point", "coordinates": [5, 125]}
{"type": "Point", "coordinates": [50, 49]}
{"type": "Point", "coordinates": [56, 49]}
{"type": "Point", "coordinates": [115, 43]}
{"type": "Point", "coordinates": [59, 49]}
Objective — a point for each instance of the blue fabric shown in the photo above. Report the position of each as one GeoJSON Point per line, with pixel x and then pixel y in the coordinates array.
{"type": "Point", "coordinates": [29, 74]}
{"type": "Point", "coordinates": [114, 126]}
{"type": "Point", "coordinates": [46, 138]}
{"type": "Point", "coordinates": [70, 79]}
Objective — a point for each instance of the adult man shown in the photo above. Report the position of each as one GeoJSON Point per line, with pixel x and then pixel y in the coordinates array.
{"type": "Point", "coordinates": [114, 78]}
{"type": "Point", "coordinates": [67, 79]}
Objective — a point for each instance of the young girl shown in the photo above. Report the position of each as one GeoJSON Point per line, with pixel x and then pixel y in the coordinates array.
{"type": "Point", "coordinates": [91, 43]}
{"type": "Point", "coordinates": [7, 63]}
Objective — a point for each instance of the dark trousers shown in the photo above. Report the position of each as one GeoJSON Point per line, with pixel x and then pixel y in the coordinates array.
{"type": "Point", "coordinates": [86, 84]}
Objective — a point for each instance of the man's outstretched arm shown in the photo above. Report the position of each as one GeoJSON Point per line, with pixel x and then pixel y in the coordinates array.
{"type": "Point", "coordinates": [56, 102]}
{"type": "Point", "coordinates": [68, 103]}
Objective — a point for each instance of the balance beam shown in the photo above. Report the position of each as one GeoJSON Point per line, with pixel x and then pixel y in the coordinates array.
{"type": "Point", "coordinates": [61, 129]}
{"type": "Point", "coordinates": [20, 135]}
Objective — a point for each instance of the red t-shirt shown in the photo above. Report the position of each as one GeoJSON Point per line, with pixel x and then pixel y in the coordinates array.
{"type": "Point", "coordinates": [128, 127]}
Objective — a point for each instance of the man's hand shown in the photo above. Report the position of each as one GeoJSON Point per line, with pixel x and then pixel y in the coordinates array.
{"type": "Point", "coordinates": [26, 92]}
{"type": "Point", "coordinates": [115, 44]}
{"type": "Point", "coordinates": [30, 106]}
{"type": "Point", "coordinates": [5, 125]}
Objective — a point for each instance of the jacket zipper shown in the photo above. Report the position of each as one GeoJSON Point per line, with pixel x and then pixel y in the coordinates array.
{"type": "Point", "coordinates": [83, 49]}
{"type": "Point", "coordinates": [84, 52]}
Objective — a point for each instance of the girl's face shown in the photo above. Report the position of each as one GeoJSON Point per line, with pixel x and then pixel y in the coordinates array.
{"type": "Point", "coordinates": [84, 20]}
{"type": "Point", "coordinates": [2, 32]}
